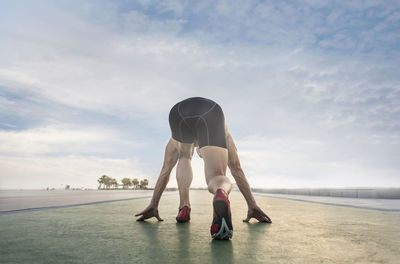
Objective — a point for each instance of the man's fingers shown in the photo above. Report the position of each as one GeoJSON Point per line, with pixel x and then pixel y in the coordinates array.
{"type": "Point", "coordinates": [264, 218]}
{"type": "Point", "coordinates": [157, 216]}
{"type": "Point", "coordinates": [260, 218]}
{"type": "Point", "coordinates": [139, 214]}
{"type": "Point", "coordinates": [140, 218]}
{"type": "Point", "coordinates": [145, 214]}
{"type": "Point", "coordinates": [247, 219]}
{"type": "Point", "coordinates": [269, 219]}
{"type": "Point", "coordinates": [263, 214]}
{"type": "Point", "coordinates": [142, 212]}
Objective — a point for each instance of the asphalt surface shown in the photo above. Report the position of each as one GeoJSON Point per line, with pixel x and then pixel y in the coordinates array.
{"type": "Point", "coordinates": [389, 205]}
{"type": "Point", "coordinates": [17, 201]}
{"type": "Point", "coordinates": [301, 232]}
{"type": "Point", "coordinates": [35, 199]}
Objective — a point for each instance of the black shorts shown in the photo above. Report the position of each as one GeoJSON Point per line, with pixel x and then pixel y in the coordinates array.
{"type": "Point", "coordinates": [198, 119]}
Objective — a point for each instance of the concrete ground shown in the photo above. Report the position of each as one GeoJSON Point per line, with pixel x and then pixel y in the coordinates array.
{"type": "Point", "coordinates": [34, 199]}
{"type": "Point", "coordinates": [301, 232]}
{"type": "Point", "coordinates": [389, 205]}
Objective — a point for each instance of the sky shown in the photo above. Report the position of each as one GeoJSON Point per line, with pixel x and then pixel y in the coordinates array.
{"type": "Point", "coordinates": [310, 89]}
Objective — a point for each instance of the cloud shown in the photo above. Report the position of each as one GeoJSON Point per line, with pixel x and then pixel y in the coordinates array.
{"type": "Point", "coordinates": [294, 163]}
{"type": "Point", "coordinates": [62, 140]}
{"type": "Point", "coordinates": [56, 172]}
{"type": "Point", "coordinates": [319, 79]}
{"type": "Point", "coordinates": [50, 156]}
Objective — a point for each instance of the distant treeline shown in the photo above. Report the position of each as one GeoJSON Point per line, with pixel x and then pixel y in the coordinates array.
{"type": "Point", "coordinates": [107, 182]}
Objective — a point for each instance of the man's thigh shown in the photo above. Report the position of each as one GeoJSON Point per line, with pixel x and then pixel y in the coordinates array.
{"type": "Point", "coordinates": [186, 150]}
{"type": "Point", "coordinates": [215, 161]}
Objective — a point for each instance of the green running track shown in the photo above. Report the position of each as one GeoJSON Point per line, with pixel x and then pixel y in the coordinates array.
{"type": "Point", "coordinates": [301, 232]}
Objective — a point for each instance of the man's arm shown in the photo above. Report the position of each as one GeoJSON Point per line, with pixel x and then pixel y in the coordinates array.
{"type": "Point", "coordinates": [170, 159]}
{"type": "Point", "coordinates": [241, 181]}
{"type": "Point", "coordinates": [237, 172]}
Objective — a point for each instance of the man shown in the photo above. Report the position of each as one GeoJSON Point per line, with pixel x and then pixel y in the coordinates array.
{"type": "Point", "coordinates": [199, 122]}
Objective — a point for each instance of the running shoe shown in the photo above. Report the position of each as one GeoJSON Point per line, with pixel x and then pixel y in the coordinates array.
{"type": "Point", "coordinates": [221, 227]}
{"type": "Point", "coordinates": [183, 214]}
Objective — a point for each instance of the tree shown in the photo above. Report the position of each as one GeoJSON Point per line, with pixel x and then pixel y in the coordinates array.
{"type": "Point", "coordinates": [102, 180]}
{"type": "Point", "coordinates": [114, 183]}
{"type": "Point", "coordinates": [135, 182]}
{"type": "Point", "coordinates": [126, 182]}
{"type": "Point", "coordinates": [144, 183]}
{"type": "Point", "coordinates": [108, 182]}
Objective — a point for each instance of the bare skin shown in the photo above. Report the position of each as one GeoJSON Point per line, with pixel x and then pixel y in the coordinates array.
{"type": "Point", "coordinates": [171, 156]}
{"type": "Point", "coordinates": [184, 173]}
{"type": "Point", "coordinates": [215, 163]}
{"type": "Point", "coordinates": [236, 170]}
{"type": "Point", "coordinates": [216, 160]}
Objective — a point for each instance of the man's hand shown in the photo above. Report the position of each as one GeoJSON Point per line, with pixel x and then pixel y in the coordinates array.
{"type": "Point", "coordinates": [257, 213]}
{"type": "Point", "coordinates": [149, 212]}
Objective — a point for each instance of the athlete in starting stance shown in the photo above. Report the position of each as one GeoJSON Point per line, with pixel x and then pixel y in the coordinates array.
{"type": "Point", "coordinates": [199, 122]}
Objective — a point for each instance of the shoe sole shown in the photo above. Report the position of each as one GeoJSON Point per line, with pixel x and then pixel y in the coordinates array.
{"type": "Point", "coordinates": [182, 221]}
{"type": "Point", "coordinates": [221, 211]}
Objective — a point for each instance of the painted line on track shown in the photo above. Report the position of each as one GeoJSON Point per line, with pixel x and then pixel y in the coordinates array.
{"type": "Point", "coordinates": [26, 210]}
{"type": "Point", "coordinates": [333, 204]}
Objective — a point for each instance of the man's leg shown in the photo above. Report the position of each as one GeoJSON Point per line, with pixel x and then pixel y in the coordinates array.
{"type": "Point", "coordinates": [215, 163]}
{"type": "Point", "coordinates": [184, 173]}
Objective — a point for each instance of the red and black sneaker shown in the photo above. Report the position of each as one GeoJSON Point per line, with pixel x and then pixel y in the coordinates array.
{"type": "Point", "coordinates": [221, 227]}
{"type": "Point", "coordinates": [183, 214]}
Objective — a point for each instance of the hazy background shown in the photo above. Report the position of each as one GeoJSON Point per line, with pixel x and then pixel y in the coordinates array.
{"type": "Point", "coordinates": [310, 90]}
